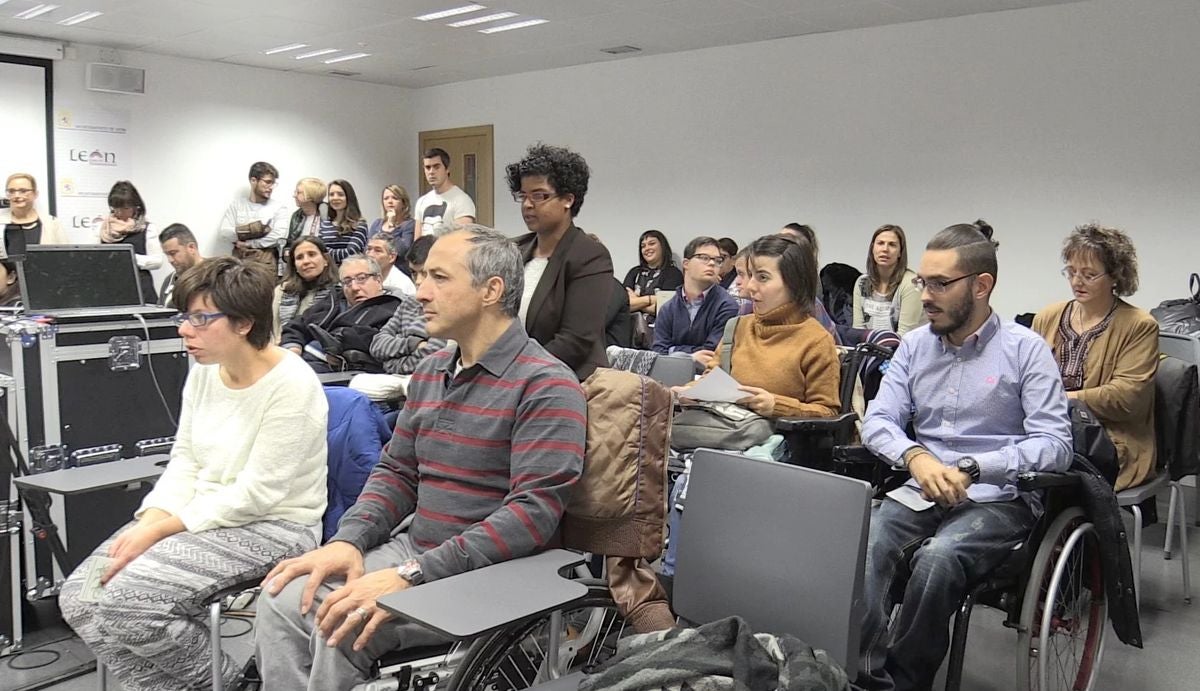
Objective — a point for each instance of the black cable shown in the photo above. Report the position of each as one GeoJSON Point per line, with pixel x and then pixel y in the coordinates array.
{"type": "Point", "coordinates": [227, 618]}
{"type": "Point", "coordinates": [55, 655]}
{"type": "Point", "coordinates": [153, 374]}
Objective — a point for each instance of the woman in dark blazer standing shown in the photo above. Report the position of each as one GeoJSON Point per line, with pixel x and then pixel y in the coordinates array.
{"type": "Point", "coordinates": [568, 275]}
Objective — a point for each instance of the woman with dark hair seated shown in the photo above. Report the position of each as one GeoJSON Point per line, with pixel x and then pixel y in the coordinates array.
{"type": "Point", "coordinates": [655, 271]}
{"type": "Point", "coordinates": [245, 488]}
{"type": "Point", "coordinates": [1107, 349]}
{"type": "Point", "coordinates": [784, 359]}
{"type": "Point", "coordinates": [309, 276]}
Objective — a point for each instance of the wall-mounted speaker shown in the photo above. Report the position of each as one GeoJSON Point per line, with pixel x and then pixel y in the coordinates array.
{"type": "Point", "coordinates": [116, 79]}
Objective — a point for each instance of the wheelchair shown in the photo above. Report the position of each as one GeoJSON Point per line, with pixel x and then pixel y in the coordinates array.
{"type": "Point", "coordinates": [1051, 587]}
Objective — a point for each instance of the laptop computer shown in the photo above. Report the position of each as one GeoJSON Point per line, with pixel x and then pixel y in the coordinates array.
{"type": "Point", "coordinates": [82, 281]}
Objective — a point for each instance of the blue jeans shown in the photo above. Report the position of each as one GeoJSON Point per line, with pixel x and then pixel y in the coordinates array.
{"type": "Point", "coordinates": [958, 547]}
{"type": "Point", "coordinates": [673, 518]}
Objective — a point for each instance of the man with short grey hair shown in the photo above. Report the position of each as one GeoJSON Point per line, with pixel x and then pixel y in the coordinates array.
{"type": "Point", "coordinates": [484, 456]}
{"type": "Point", "coordinates": [382, 248]}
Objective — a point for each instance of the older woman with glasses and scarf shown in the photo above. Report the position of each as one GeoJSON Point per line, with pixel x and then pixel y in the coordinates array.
{"type": "Point", "coordinates": [1107, 349]}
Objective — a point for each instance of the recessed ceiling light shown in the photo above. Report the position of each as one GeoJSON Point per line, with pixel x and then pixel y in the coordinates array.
{"type": "Point", "coordinates": [349, 56]}
{"type": "Point", "coordinates": [449, 13]}
{"type": "Point", "coordinates": [510, 27]}
{"type": "Point", "coordinates": [284, 49]}
{"type": "Point", "coordinates": [35, 11]}
{"type": "Point", "coordinates": [80, 18]}
{"type": "Point", "coordinates": [483, 20]}
{"type": "Point", "coordinates": [315, 53]}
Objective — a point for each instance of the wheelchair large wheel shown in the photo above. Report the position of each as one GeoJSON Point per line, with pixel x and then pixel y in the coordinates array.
{"type": "Point", "coordinates": [1065, 610]}
{"type": "Point", "coordinates": [515, 657]}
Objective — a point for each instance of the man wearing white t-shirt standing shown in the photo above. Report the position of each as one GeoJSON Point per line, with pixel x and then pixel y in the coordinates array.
{"type": "Point", "coordinates": [445, 204]}
{"type": "Point", "coordinates": [256, 224]}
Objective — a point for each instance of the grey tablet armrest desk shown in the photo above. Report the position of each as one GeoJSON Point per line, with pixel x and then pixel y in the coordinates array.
{"type": "Point", "coordinates": [483, 600]}
{"type": "Point", "coordinates": [93, 477]}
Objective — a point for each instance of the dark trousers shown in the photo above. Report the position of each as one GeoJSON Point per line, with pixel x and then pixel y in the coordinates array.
{"type": "Point", "coordinates": [957, 548]}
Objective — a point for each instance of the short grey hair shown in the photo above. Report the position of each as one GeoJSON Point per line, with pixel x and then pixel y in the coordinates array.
{"type": "Point", "coordinates": [369, 261]}
{"type": "Point", "coordinates": [494, 255]}
{"type": "Point", "coordinates": [389, 241]}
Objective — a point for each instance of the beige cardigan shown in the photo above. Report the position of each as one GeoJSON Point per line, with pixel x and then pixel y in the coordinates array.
{"type": "Point", "coordinates": [1118, 383]}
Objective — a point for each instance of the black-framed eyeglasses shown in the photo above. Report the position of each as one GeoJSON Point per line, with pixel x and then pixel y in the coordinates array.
{"type": "Point", "coordinates": [197, 319]}
{"type": "Point", "coordinates": [706, 259]}
{"type": "Point", "coordinates": [357, 280]}
{"type": "Point", "coordinates": [937, 285]}
{"type": "Point", "coordinates": [538, 197]}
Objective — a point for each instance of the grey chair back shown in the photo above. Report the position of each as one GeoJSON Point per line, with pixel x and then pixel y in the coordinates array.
{"type": "Point", "coordinates": [781, 546]}
{"type": "Point", "coordinates": [673, 370]}
{"type": "Point", "coordinates": [1186, 348]}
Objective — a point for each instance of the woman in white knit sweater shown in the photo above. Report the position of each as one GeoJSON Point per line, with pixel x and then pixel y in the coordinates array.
{"type": "Point", "coordinates": [245, 488]}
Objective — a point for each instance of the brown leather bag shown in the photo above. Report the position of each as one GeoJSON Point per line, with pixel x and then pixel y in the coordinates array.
{"type": "Point", "coordinates": [266, 257]}
{"type": "Point", "coordinates": [618, 507]}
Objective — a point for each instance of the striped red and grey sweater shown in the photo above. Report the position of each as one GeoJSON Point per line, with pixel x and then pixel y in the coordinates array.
{"type": "Point", "coordinates": [486, 459]}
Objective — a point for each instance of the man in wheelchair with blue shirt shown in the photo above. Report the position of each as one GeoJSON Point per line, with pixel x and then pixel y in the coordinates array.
{"type": "Point", "coordinates": [986, 402]}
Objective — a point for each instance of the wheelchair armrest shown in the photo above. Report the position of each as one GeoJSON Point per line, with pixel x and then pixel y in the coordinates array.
{"type": "Point", "coordinates": [855, 455]}
{"type": "Point", "coordinates": [1028, 482]}
{"type": "Point", "coordinates": [839, 424]}
{"type": "Point", "coordinates": [483, 600]}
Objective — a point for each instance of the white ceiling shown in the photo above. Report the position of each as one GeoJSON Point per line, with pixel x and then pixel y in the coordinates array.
{"type": "Point", "coordinates": [406, 52]}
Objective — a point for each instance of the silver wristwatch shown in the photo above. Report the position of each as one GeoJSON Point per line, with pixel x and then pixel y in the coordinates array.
{"type": "Point", "coordinates": [411, 572]}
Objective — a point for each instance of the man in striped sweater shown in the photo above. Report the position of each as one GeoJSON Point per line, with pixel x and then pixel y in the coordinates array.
{"type": "Point", "coordinates": [485, 453]}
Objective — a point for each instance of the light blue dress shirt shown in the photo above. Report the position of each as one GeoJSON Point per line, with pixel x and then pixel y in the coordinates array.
{"type": "Point", "coordinates": [998, 398]}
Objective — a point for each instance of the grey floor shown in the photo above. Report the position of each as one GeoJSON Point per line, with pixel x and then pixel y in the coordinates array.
{"type": "Point", "coordinates": [1170, 659]}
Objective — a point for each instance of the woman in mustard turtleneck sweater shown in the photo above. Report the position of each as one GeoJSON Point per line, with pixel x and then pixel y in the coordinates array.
{"type": "Point", "coordinates": [784, 359]}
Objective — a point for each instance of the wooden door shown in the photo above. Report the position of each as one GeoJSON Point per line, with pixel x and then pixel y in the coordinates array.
{"type": "Point", "coordinates": [471, 167]}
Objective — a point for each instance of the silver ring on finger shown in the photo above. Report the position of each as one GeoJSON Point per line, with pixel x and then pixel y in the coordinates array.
{"type": "Point", "coordinates": [362, 614]}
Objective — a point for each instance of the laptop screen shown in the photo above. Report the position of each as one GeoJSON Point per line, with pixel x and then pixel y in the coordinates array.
{"type": "Point", "coordinates": [58, 277]}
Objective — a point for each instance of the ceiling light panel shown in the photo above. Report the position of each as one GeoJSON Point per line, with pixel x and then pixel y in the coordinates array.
{"type": "Point", "coordinates": [349, 56]}
{"type": "Point", "coordinates": [79, 18]}
{"type": "Point", "coordinates": [35, 11]}
{"type": "Point", "coordinates": [317, 53]}
{"type": "Point", "coordinates": [284, 49]}
{"type": "Point", "coordinates": [483, 20]}
{"type": "Point", "coordinates": [515, 25]}
{"type": "Point", "coordinates": [453, 12]}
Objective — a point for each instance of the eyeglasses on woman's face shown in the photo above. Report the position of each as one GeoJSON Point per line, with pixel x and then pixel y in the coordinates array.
{"type": "Point", "coordinates": [197, 319]}
{"type": "Point", "coordinates": [1086, 276]}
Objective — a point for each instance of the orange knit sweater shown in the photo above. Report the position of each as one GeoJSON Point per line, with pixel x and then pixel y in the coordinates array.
{"type": "Point", "coordinates": [790, 355]}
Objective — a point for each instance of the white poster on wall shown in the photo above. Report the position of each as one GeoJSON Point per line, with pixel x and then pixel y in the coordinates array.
{"type": "Point", "coordinates": [91, 152]}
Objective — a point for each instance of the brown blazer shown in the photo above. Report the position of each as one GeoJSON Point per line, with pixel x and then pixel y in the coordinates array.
{"type": "Point", "coordinates": [569, 306]}
{"type": "Point", "coordinates": [1118, 384]}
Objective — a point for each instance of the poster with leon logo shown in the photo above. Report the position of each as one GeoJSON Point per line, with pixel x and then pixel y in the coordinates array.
{"type": "Point", "coordinates": [91, 152]}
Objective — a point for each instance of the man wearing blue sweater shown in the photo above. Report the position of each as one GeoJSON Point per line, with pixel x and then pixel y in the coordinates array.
{"type": "Point", "coordinates": [692, 322]}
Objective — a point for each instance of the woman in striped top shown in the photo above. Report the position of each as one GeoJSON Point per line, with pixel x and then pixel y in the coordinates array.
{"type": "Point", "coordinates": [343, 230]}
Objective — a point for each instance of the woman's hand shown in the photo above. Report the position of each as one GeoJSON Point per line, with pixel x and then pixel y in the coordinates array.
{"type": "Point", "coordinates": [128, 546]}
{"type": "Point", "coordinates": [760, 401]}
{"type": "Point", "coordinates": [703, 356]}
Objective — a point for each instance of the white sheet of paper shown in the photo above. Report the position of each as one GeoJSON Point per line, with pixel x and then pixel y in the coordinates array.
{"type": "Point", "coordinates": [910, 497]}
{"type": "Point", "coordinates": [717, 385]}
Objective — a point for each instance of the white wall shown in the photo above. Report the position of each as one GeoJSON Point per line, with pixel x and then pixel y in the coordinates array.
{"type": "Point", "coordinates": [1034, 119]}
{"type": "Point", "coordinates": [200, 125]}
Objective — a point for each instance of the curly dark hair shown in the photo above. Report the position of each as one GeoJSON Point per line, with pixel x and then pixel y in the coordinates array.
{"type": "Point", "coordinates": [1112, 248]}
{"type": "Point", "coordinates": [565, 170]}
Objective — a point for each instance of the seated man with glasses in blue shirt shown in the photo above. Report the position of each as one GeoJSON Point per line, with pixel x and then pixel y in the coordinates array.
{"type": "Point", "coordinates": [692, 322]}
{"type": "Point", "coordinates": [336, 333]}
{"type": "Point", "coordinates": [986, 402]}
